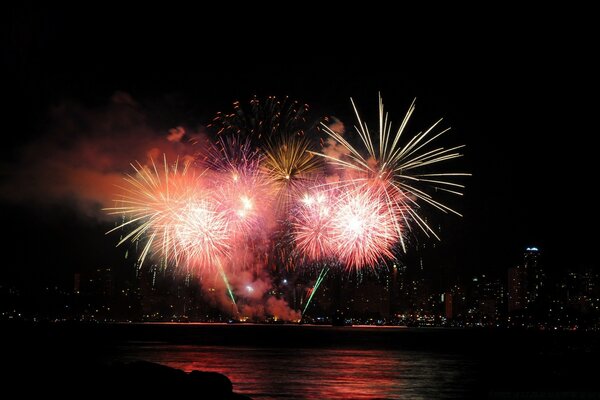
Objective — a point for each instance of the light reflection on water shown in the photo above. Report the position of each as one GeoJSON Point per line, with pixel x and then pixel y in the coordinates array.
{"type": "Point", "coordinates": [321, 373]}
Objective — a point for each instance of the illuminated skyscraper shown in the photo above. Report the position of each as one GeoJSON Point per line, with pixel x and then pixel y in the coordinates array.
{"type": "Point", "coordinates": [535, 275]}
{"type": "Point", "coordinates": [526, 282]}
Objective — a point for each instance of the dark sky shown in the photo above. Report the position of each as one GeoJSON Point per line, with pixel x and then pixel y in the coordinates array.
{"type": "Point", "coordinates": [519, 93]}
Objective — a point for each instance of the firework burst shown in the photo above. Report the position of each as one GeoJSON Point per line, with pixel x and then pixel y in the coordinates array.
{"type": "Point", "coordinates": [263, 120]}
{"type": "Point", "coordinates": [149, 203]}
{"type": "Point", "coordinates": [275, 129]}
{"type": "Point", "coordinates": [201, 234]}
{"type": "Point", "coordinates": [168, 211]}
{"type": "Point", "coordinates": [364, 229]}
{"type": "Point", "coordinates": [289, 166]}
{"type": "Point", "coordinates": [240, 186]}
{"type": "Point", "coordinates": [313, 226]}
{"type": "Point", "coordinates": [398, 168]}
{"type": "Point", "coordinates": [238, 204]}
{"type": "Point", "coordinates": [232, 156]}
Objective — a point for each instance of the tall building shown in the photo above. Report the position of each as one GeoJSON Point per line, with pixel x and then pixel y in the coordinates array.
{"type": "Point", "coordinates": [448, 305]}
{"type": "Point", "coordinates": [517, 289]}
{"type": "Point", "coordinates": [582, 290]}
{"type": "Point", "coordinates": [487, 296]}
{"type": "Point", "coordinates": [526, 282]}
{"type": "Point", "coordinates": [76, 283]}
{"type": "Point", "coordinates": [590, 283]}
{"type": "Point", "coordinates": [101, 282]}
{"type": "Point", "coordinates": [535, 275]}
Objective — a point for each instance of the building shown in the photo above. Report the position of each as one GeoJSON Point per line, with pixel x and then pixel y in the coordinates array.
{"type": "Point", "coordinates": [517, 289]}
{"type": "Point", "coordinates": [526, 282]}
{"type": "Point", "coordinates": [448, 305]}
{"type": "Point", "coordinates": [535, 275]}
{"type": "Point", "coordinates": [487, 298]}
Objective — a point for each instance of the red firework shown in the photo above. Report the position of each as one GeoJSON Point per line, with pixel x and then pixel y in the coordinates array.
{"type": "Point", "coordinates": [364, 230]}
{"type": "Point", "coordinates": [313, 226]}
{"type": "Point", "coordinates": [201, 235]}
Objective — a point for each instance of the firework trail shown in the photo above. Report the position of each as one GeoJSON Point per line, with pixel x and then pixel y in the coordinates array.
{"type": "Point", "coordinates": [318, 282]}
{"type": "Point", "coordinates": [398, 168]}
{"type": "Point", "coordinates": [236, 311]}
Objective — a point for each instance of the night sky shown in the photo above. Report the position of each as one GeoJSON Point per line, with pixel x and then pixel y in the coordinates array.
{"type": "Point", "coordinates": [522, 98]}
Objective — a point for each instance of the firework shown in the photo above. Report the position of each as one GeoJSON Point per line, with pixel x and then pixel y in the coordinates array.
{"type": "Point", "coordinates": [232, 156]}
{"type": "Point", "coordinates": [150, 202]}
{"type": "Point", "coordinates": [397, 168]}
{"type": "Point", "coordinates": [313, 226]}
{"type": "Point", "coordinates": [228, 287]}
{"type": "Point", "coordinates": [289, 166]}
{"type": "Point", "coordinates": [314, 289]}
{"type": "Point", "coordinates": [201, 234]}
{"type": "Point", "coordinates": [240, 186]}
{"type": "Point", "coordinates": [263, 198]}
{"type": "Point", "coordinates": [275, 129]}
{"type": "Point", "coordinates": [364, 228]}
{"type": "Point", "coordinates": [168, 211]}
{"type": "Point", "coordinates": [263, 120]}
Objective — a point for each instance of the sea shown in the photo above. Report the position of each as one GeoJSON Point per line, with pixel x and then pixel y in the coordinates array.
{"type": "Point", "coordinates": [351, 362]}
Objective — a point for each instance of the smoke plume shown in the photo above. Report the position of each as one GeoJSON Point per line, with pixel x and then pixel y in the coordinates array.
{"type": "Point", "coordinates": [85, 153]}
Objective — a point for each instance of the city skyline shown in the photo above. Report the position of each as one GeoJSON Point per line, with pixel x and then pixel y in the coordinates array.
{"type": "Point", "coordinates": [525, 298]}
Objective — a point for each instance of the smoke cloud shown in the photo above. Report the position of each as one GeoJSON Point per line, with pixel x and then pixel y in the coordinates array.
{"type": "Point", "coordinates": [253, 290]}
{"type": "Point", "coordinates": [86, 152]}
{"type": "Point", "coordinates": [332, 148]}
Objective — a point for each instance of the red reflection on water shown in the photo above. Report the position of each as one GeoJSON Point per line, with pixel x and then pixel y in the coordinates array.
{"type": "Point", "coordinates": [304, 373]}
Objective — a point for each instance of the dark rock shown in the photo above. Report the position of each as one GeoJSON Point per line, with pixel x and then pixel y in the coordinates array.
{"type": "Point", "coordinates": [150, 379]}
{"type": "Point", "coordinates": [218, 382]}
